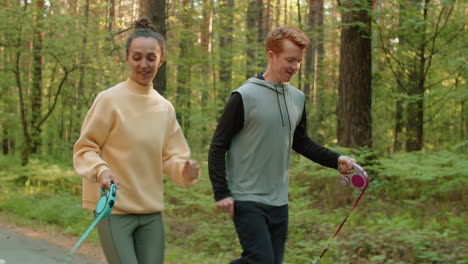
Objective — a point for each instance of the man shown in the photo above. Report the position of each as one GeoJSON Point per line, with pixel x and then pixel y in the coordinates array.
{"type": "Point", "coordinates": [261, 122]}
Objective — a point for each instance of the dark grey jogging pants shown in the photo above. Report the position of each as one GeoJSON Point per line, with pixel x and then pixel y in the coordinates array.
{"type": "Point", "coordinates": [262, 232]}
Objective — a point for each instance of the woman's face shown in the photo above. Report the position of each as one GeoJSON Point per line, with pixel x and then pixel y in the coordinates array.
{"type": "Point", "coordinates": [144, 58]}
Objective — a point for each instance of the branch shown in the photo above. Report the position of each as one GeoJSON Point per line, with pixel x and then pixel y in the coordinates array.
{"type": "Point", "coordinates": [443, 79]}
{"type": "Point", "coordinates": [17, 72]}
{"type": "Point", "coordinates": [443, 100]}
{"type": "Point", "coordinates": [7, 45]}
{"type": "Point", "coordinates": [59, 89]}
{"type": "Point", "coordinates": [388, 56]}
{"type": "Point", "coordinates": [54, 73]}
{"type": "Point", "coordinates": [436, 34]}
{"type": "Point", "coordinates": [120, 31]}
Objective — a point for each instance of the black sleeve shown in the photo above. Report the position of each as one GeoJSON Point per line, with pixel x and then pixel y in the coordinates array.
{"type": "Point", "coordinates": [308, 148]}
{"type": "Point", "coordinates": [230, 123]}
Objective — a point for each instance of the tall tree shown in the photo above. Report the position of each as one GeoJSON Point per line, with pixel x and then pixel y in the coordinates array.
{"type": "Point", "coordinates": [82, 68]}
{"type": "Point", "coordinates": [36, 92]}
{"type": "Point", "coordinates": [399, 121]}
{"type": "Point", "coordinates": [26, 148]}
{"type": "Point", "coordinates": [254, 35]}
{"type": "Point", "coordinates": [464, 119]}
{"type": "Point", "coordinates": [286, 21]}
{"type": "Point", "coordinates": [266, 18]}
{"type": "Point", "coordinates": [63, 66]}
{"type": "Point", "coordinates": [111, 22]}
{"type": "Point", "coordinates": [354, 89]}
{"type": "Point", "coordinates": [419, 40]}
{"type": "Point", "coordinates": [278, 13]}
{"type": "Point", "coordinates": [225, 48]}
{"type": "Point", "coordinates": [205, 57]}
{"type": "Point", "coordinates": [314, 57]}
{"type": "Point", "coordinates": [157, 14]}
{"type": "Point", "coordinates": [184, 65]}
{"type": "Point", "coordinates": [262, 31]}
{"type": "Point", "coordinates": [417, 78]}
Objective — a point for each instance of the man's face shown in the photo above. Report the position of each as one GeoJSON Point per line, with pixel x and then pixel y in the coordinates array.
{"type": "Point", "coordinates": [285, 63]}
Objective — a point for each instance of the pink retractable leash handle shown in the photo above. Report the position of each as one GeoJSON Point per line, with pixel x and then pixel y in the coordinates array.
{"type": "Point", "coordinates": [358, 179]}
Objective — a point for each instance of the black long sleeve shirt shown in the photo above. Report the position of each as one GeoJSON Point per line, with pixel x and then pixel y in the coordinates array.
{"type": "Point", "coordinates": [232, 121]}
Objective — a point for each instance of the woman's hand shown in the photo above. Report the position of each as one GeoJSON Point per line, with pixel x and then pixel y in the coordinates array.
{"type": "Point", "coordinates": [106, 178]}
{"type": "Point", "coordinates": [192, 169]}
{"type": "Point", "coordinates": [345, 164]}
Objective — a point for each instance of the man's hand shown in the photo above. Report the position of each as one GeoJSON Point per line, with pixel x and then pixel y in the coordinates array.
{"type": "Point", "coordinates": [192, 169]}
{"type": "Point", "coordinates": [106, 178]}
{"type": "Point", "coordinates": [345, 164]}
{"type": "Point", "coordinates": [226, 205]}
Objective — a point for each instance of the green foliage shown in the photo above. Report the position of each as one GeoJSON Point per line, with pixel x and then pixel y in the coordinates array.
{"type": "Point", "coordinates": [413, 211]}
{"type": "Point", "coordinates": [43, 194]}
{"type": "Point", "coordinates": [81, 42]}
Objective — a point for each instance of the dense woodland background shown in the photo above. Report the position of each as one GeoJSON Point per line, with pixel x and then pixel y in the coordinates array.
{"type": "Point", "coordinates": [384, 74]}
{"type": "Point", "coordinates": [385, 82]}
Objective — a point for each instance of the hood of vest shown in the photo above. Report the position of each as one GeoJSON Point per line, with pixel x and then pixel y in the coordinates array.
{"type": "Point", "coordinates": [279, 88]}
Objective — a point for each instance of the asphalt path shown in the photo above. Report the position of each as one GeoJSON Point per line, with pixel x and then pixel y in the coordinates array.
{"type": "Point", "coordinates": [16, 248]}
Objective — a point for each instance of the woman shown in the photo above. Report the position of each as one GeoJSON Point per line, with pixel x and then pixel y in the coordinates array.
{"type": "Point", "coordinates": [131, 137]}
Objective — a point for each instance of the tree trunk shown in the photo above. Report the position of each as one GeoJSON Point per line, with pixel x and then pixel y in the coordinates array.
{"type": "Point", "coordinates": [36, 92]}
{"type": "Point", "coordinates": [415, 109]}
{"type": "Point", "coordinates": [225, 49]}
{"type": "Point", "coordinates": [259, 48]}
{"type": "Point", "coordinates": [82, 69]}
{"type": "Point", "coordinates": [399, 119]}
{"type": "Point", "coordinates": [26, 147]}
{"type": "Point", "coordinates": [6, 105]}
{"type": "Point", "coordinates": [354, 91]}
{"type": "Point", "coordinates": [5, 141]}
{"type": "Point", "coordinates": [286, 21]}
{"type": "Point", "coordinates": [254, 15]}
{"type": "Point", "coordinates": [206, 46]}
{"type": "Point", "coordinates": [111, 25]}
{"type": "Point", "coordinates": [314, 55]}
{"type": "Point", "coordinates": [205, 29]}
{"type": "Point", "coordinates": [313, 66]}
{"type": "Point", "coordinates": [184, 68]}
{"type": "Point", "coordinates": [157, 14]}
{"type": "Point", "coordinates": [278, 13]}
{"type": "Point", "coordinates": [464, 120]}
{"type": "Point", "coordinates": [399, 110]}
{"type": "Point", "coordinates": [266, 19]}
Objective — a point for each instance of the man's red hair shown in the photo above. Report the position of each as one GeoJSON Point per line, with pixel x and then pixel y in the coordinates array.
{"type": "Point", "coordinates": [295, 35]}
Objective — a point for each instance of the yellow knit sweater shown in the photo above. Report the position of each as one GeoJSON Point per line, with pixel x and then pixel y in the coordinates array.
{"type": "Point", "coordinates": [133, 131]}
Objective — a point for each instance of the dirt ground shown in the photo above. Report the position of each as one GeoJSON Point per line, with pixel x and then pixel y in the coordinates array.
{"type": "Point", "coordinates": [54, 237]}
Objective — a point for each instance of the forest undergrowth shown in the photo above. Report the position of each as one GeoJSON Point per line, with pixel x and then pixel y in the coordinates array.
{"type": "Point", "coordinates": [414, 210]}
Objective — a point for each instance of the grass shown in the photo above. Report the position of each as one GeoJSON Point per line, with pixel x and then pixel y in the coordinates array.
{"type": "Point", "coordinates": [413, 212]}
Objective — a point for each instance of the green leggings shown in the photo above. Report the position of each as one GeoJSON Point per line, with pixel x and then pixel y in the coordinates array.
{"type": "Point", "coordinates": [132, 239]}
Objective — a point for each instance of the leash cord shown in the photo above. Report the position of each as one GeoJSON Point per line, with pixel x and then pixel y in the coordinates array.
{"type": "Point", "coordinates": [82, 238]}
{"type": "Point", "coordinates": [341, 225]}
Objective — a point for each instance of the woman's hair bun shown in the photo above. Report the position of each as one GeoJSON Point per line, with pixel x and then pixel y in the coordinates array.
{"type": "Point", "coordinates": [145, 23]}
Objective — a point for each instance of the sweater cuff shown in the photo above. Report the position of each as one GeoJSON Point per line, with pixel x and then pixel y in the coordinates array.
{"type": "Point", "coordinates": [189, 181]}
{"type": "Point", "coordinates": [100, 170]}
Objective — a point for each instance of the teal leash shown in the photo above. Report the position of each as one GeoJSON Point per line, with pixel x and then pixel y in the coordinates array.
{"type": "Point", "coordinates": [103, 210]}
{"type": "Point", "coordinates": [82, 238]}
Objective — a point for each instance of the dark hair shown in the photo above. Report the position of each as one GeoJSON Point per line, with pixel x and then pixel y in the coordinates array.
{"type": "Point", "coordinates": [143, 27]}
{"type": "Point", "coordinates": [275, 38]}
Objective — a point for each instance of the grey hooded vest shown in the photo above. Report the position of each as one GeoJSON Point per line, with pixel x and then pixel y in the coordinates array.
{"type": "Point", "coordinates": [257, 161]}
